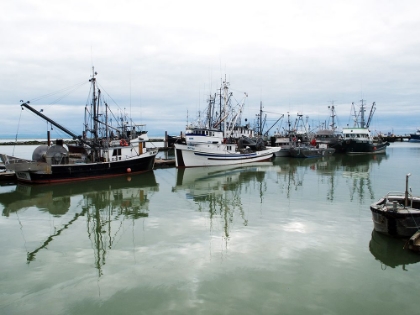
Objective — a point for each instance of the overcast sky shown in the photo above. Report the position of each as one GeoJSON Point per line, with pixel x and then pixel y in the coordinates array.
{"type": "Point", "coordinates": [161, 59]}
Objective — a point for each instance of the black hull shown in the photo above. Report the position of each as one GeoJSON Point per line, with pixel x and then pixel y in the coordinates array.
{"type": "Point", "coordinates": [310, 152]}
{"type": "Point", "coordinates": [358, 147]}
{"type": "Point", "coordinates": [415, 137]}
{"type": "Point", "coordinates": [395, 224]}
{"type": "Point", "coordinates": [75, 172]}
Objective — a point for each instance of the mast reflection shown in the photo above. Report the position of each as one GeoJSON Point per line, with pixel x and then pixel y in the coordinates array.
{"type": "Point", "coordinates": [104, 203]}
{"type": "Point", "coordinates": [356, 169]}
{"type": "Point", "coordinates": [218, 190]}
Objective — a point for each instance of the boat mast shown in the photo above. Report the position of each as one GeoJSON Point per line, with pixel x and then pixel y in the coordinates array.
{"type": "Point", "coordinates": [95, 110]}
{"type": "Point", "coordinates": [225, 97]}
{"type": "Point", "coordinates": [406, 189]}
{"type": "Point", "coordinates": [220, 109]}
{"type": "Point", "coordinates": [372, 111]}
{"type": "Point", "coordinates": [333, 126]}
{"type": "Point", "coordinates": [362, 114]}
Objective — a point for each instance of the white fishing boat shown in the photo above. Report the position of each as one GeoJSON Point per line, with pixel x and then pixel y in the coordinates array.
{"type": "Point", "coordinates": [217, 143]}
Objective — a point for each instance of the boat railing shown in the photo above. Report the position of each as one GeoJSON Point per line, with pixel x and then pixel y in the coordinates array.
{"type": "Point", "coordinates": [400, 195]}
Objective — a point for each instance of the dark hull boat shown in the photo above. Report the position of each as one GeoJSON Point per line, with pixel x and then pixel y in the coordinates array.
{"type": "Point", "coordinates": [415, 137]}
{"type": "Point", "coordinates": [44, 172]}
{"type": "Point", "coordinates": [357, 139]}
{"type": "Point", "coordinates": [362, 146]}
{"type": "Point", "coordinates": [397, 214]}
{"type": "Point", "coordinates": [102, 155]}
{"type": "Point", "coordinates": [330, 137]}
{"type": "Point", "coordinates": [308, 151]}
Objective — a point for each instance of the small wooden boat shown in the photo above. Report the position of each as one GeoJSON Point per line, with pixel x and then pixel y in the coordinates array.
{"type": "Point", "coordinates": [397, 213]}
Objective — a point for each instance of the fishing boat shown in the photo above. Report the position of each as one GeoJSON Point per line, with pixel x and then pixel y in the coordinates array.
{"type": "Point", "coordinates": [330, 136]}
{"type": "Point", "coordinates": [282, 142]}
{"type": "Point", "coordinates": [397, 213]}
{"type": "Point", "coordinates": [219, 141]}
{"type": "Point", "coordinates": [415, 137]}
{"type": "Point", "coordinates": [311, 150]}
{"type": "Point", "coordinates": [109, 151]}
{"type": "Point", "coordinates": [358, 139]}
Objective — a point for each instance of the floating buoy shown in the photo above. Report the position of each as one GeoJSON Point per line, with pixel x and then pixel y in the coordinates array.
{"type": "Point", "coordinates": [128, 170]}
{"type": "Point", "coordinates": [374, 148]}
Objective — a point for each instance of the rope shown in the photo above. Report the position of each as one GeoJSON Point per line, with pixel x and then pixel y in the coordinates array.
{"type": "Point", "coordinates": [71, 89]}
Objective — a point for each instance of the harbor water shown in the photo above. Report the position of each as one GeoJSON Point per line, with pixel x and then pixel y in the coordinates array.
{"type": "Point", "coordinates": [291, 236]}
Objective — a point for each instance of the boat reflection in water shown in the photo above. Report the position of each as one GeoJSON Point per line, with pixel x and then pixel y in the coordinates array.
{"type": "Point", "coordinates": [218, 189]}
{"type": "Point", "coordinates": [390, 251]}
{"type": "Point", "coordinates": [356, 169]}
{"type": "Point", "coordinates": [103, 203]}
{"type": "Point", "coordinates": [291, 173]}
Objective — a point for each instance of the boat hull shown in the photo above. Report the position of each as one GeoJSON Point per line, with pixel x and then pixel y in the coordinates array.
{"type": "Point", "coordinates": [363, 147]}
{"type": "Point", "coordinates": [415, 137]}
{"type": "Point", "coordinates": [396, 220]}
{"type": "Point", "coordinates": [42, 173]}
{"type": "Point", "coordinates": [193, 156]}
{"type": "Point", "coordinates": [282, 153]}
{"type": "Point", "coordinates": [301, 152]}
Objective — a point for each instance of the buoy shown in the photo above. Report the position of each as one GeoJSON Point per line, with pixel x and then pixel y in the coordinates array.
{"type": "Point", "coordinates": [128, 170]}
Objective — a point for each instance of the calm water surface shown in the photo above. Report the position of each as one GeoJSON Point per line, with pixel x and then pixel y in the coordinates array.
{"type": "Point", "coordinates": [289, 237]}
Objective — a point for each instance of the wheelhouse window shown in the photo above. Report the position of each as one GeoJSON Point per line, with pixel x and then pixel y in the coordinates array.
{"type": "Point", "coordinates": [116, 152]}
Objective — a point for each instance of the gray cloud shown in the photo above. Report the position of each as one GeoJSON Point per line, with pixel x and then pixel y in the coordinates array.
{"type": "Point", "coordinates": [162, 60]}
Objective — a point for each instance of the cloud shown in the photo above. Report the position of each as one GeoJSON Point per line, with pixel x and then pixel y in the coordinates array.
{"type": "Point", "coordinates": [163, 59]}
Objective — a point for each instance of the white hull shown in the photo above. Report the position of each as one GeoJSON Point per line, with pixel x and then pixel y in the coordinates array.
{"type": "Point", "coordinates": [217, 155]}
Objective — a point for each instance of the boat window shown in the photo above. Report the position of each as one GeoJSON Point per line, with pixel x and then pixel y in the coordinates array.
{"type": "Point", "coordinates": [116, 152]}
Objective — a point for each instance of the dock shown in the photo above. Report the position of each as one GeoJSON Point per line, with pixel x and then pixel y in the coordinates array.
{"type": "Point", "coordinates": [394, 138]}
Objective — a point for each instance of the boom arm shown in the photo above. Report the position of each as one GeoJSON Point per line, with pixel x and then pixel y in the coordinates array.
{"type": "Point", "coordinates": [54, 123]}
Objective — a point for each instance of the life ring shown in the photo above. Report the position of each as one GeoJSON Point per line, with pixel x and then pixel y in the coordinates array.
{"type": "Point", "coordinates": [123, 143]}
